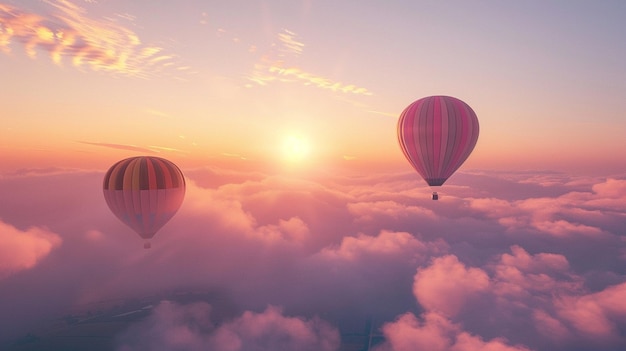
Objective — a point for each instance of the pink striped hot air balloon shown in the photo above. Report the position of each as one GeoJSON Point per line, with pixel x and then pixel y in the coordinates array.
{"type": "Point", "coordinates": [437, 134]}
{"type": "Point", "coordinates": [144, 192]}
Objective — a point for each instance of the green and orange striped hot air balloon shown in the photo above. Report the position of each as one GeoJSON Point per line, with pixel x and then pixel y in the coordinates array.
{"type": "Point", "coordinates": [144, 192]}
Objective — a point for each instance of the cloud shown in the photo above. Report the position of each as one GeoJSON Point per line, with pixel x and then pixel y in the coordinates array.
{"type": "Point", "coordinates": [446, 285]}
{"type": "Point", "coordinates": [370, 211]}
{"type": "Point", "coordinates": [611, 188]}
{"type": "Point", "coordinates": [291, 231]}
{"type": "Point", "coordinates": [386, 243]}
{"type": "Point", "coordinates": [518, 277]}
{"type": "Point", "coordinates": [435, 332]}
{"type": "Point", "coordinates": [278, 67]}
{"type": "Point", "coordinates": [569, 214]}
{"type": "Point", "coordinates": [169, 327]}
{"type": "Point", "coordinates": [213, 177]}
{"type": "Point", "coordinates": [189, 327]}
{"type": "Point", "coordinates": [550, 327]}
{"type": "Point", "coordinates": [597, 315]}
{"type": "Point", "coordinates": [289, 42]}
{"type": "Point", "coordinates": [149, 149]}
{"type": "Point", "coordinates": [286, 74]}
{"type": "Point", "coordinates": [351, 249]}
{"type": "Point", "coordinates": [536, 263]}
{"type": "Point", "coordinates": [39, 172]}
{"type": "Point", "coordinates": [270, 330]}
{"type": "Point", "coordinates": [66, 31]}
{"type": "Point", "coordinates": [609, 195]}
{"type": "Point", "coordinates": [518, 289]}
{"type": "Point", "coordinates": [22, 250]}
{"type": "Point", "coordinates": [525, 285]}
{"type": "Point", "coordinates": [122, 147]}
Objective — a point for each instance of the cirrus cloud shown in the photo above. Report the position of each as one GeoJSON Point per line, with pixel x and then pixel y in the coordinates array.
{"type": "Point", "coordinates": [65, 30]}
{"type": "Point", "coordinates": [275, 67]}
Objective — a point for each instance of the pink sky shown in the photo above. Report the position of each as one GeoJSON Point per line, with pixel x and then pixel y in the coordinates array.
{"type": "Point", "coordinates": [206, 83]}
{"type": "Point", "coordinates": [301, 212]}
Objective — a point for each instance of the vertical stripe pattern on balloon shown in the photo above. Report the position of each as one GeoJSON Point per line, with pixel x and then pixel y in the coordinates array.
{"type": "Point", "coordinates": [436, 135]}
{"type": "Point", "coordinates": [144, 192]}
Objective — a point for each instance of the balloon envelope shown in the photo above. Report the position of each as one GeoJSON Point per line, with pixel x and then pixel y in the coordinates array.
{"type": "Point", "coordinates": [437, 134]}
{"type": "Point", "coordinates": [144, 192]}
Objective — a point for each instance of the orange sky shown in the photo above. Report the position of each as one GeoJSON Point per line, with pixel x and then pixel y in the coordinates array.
{"type": "Point", "coordinates": [87, 83]}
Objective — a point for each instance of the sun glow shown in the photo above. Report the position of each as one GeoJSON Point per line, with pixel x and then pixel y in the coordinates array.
{"type": "Point", "coordinates": [296, 148]}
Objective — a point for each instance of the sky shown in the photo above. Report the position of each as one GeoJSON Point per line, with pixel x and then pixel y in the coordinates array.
{"type": "Point", "coordinates": [300, 207]}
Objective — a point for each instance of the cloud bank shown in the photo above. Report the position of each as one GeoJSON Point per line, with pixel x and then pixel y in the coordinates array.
{"type": "Point", "coordinates": [342, 261]}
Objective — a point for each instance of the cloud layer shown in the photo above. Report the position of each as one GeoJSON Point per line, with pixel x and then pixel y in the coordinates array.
{"type": "Point", "coordinates": [341, 261]}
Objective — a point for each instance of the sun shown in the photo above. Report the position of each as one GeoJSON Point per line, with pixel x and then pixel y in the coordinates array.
{"type": "Point", "coordinates": [296, 148]}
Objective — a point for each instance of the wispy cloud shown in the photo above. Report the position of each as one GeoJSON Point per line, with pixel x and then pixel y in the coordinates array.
{"type": "Point", "coordinates": [165, 148]}
{"type": "Point", "coordinates": [151, 149]}
{"type": "Point", "coordinates": [66, 31]}
{"type": "Point", "coordinates": [277, 67]}
{"type": "Point", "coordinates": [382, 113]}
{"type": "Point", "coordinates": [121, 147]}
{"type": "Point", "coordinates": [289, 42]}
{"type": "Point", "coordinates": [561, 216]}
{"type": "Point", "coordinates": [40, 172]}
{"type": "Point", "coordinates": [232, 155]}
{"type": "Point", "coordinates": [156, 113]}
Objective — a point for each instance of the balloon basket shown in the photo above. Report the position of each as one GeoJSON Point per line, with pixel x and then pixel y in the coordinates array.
{"type": "Point", "coordinates": [147, 245]}
{"type": "Point", "coordinates": [435, 195]}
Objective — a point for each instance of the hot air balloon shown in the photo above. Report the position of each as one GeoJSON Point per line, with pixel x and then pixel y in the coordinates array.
{"type": "Point", "coordinates": [144, 192]}
{"type": "Point", "coordinates": [437, 134]}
